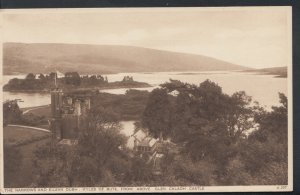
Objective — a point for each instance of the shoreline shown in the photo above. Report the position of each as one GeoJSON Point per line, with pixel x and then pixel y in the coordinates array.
{"type": "Point", "coordinates": [276, 73]}
{"type": "Point", "coordinates": [46, 91]}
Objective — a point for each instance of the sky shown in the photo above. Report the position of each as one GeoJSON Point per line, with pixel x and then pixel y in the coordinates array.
{"type": "Point", "coordinates": [256, 37]}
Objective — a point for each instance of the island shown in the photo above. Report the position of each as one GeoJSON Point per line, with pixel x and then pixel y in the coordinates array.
{"type": "Point", "coordinates": [70, 80]}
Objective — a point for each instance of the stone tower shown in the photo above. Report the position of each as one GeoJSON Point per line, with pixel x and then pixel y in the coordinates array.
{"type": "Point", "coordinates": [56, 105]}
{"type": "Point", "coordinates": [69, 111]}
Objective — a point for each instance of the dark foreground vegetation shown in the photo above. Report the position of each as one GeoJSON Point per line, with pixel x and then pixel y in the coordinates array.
{"type": "Point", "coordinates": [71, 80]}
{"type": "Point", "coordinates": [219, 139]}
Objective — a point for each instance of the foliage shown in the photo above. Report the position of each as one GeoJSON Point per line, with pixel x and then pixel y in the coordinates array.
{"type": "Point", "coordinates": [202, 118]}
{"type": "Point", "coordinates": [214, 139]}
{"type": "Point", "coordinates": [126, 107]}
{"type": "Point", "coordinates": [93, 80]}
{"type": "Point", "coordinates": [52, 75]}
{"type": "Point", "coordinates": [11, 112]}
{"type": "Point", "coordinates": [13, 115]}
{"type": "Point", "coordinates": [127, 79]}
{"type": "Point", "coordinates": [227, 131]}
{"type": "Point", "coordinates": [97, 159]}
{"type": "Point", "coordinates": [30, 76]}
{"type": "Point", "coordinates": [12, 163]}
{"type": "Point", "coordinates": [41, 76]}
{"type": "Point", "coordinates": [46, 82]}
{"type": "Point", "coordinates": [157, 114]}
{"type": "Point", "coordinates": [33, 120]}
{"type": "Point", "coordinates": [72, 78]}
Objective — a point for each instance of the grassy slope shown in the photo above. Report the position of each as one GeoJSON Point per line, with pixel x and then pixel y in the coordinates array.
{"type": "Point", "coordinates": [46, 57]}
{"type": "Point", "coordinates": [13, 135]}
{"type": "Point", "coordinates": [24, 177]}
{"type": "Point", "coordinates": [40, 110]}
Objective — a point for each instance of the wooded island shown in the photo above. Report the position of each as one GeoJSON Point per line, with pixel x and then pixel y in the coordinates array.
{"type": "Point", "coordinates": [45, 82]}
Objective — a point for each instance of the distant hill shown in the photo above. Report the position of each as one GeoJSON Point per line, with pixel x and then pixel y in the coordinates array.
{"type": "Point", "coordinates": [280, 72]}
{"type": "Point", "coordinates": [21, 58]}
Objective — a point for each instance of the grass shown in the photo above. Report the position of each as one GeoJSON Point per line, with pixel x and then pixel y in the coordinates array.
{"type": "Point", "coordinates": [25, 176]}
{"type": "Point", "coordinates": [13, 135]}
{"type": "Point", "coordinates": [40, 111]}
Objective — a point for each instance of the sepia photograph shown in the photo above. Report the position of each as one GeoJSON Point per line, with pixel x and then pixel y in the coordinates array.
{"type": "Point", "coordinates": [146, 100]}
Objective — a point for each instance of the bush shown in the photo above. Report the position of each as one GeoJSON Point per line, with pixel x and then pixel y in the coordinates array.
{"type": "Point", "coordinates": [33, 120]}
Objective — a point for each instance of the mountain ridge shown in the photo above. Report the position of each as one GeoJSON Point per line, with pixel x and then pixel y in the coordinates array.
{"type": "Point", "coordinates": [103, 59]}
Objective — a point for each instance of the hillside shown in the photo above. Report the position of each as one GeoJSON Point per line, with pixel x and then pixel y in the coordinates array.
{"type": "Point", "coordinates": [46, 57]}
{"type": "Point", "coordinates": [280, 72]}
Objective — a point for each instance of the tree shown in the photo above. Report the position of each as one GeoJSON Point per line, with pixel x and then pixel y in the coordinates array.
{"type": "Point", "coordinates": [11, 112]}
{"type": "Point", "coordinates": [140, 171]}
{"type": "Point", "coordinates": [99, 158]}
{"type": "Point", "coordinates": [54, 165]}
{"type": "Point", "coordinates": [30, 76]}
{"type": "Point", "coordinates": [239, 116]}
{"type": "Point", "coordinates": [41, 76]}
{"type": "Point", "coordinates": [197, 117]}
{"type": "Point", "coordinates": [264, 154]}
{"type": "Point", "coordinates": [52, 75]}
{"type": "Point", "coordinates": [157, 114]}
{"type": "Point", "coordinates": [207, 122]}
{"type": "Point", "coordinates": [273, 125]}
{"type": "Point", "coordinates": [127, 79]}
{"type": "Point", "coordinates": [14, 83]}
{"type": "Point", "coordinates": [72, 78]}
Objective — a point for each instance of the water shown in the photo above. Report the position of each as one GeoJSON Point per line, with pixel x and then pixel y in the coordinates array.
{"type": "Point", "coordinates": [28, 99]}
{"type": "Point", "coordinates": [127, 128]}
{"type": "Point", "coordinates": [263, 88]}
{"type": "Point", "coordinates": [123, 90]}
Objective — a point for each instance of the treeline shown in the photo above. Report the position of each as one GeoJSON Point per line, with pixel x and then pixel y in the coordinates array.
{"type": "Point", "coordinates": [12, 114]}
{"type": "Point", "coordinates": [219, 139]}
{"type": "Point", "coordinates": [223, 140]}
{"type": "Point", "coordinates": [129, 106]}
{"type": "Point", "coordinates": [44, 82]}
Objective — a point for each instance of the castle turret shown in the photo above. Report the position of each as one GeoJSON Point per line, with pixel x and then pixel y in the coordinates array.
{"type": "Point", "coordinates": [56, 104]}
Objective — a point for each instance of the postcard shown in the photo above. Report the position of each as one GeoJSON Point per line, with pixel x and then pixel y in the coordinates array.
{"type": "Point", "coordinates": [166, 99]}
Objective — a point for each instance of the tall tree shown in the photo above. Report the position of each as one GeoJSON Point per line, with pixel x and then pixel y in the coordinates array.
{"type": "Point", "coordinates": [30, 76]}
{"type": "Point", "coordinates": [72, 78]}
{"type": "Point", "coordinates": [157, 114]}
{"type": "Point", "coordinates": [207, 121]}
{"type": "Point", "coordinates": [11, 112]}
{"type": "Point", "coordinates": [41, 76]}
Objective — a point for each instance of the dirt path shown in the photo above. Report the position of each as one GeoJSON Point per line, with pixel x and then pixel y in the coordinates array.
{"type": "Point", "coordinates": [30, 127]}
